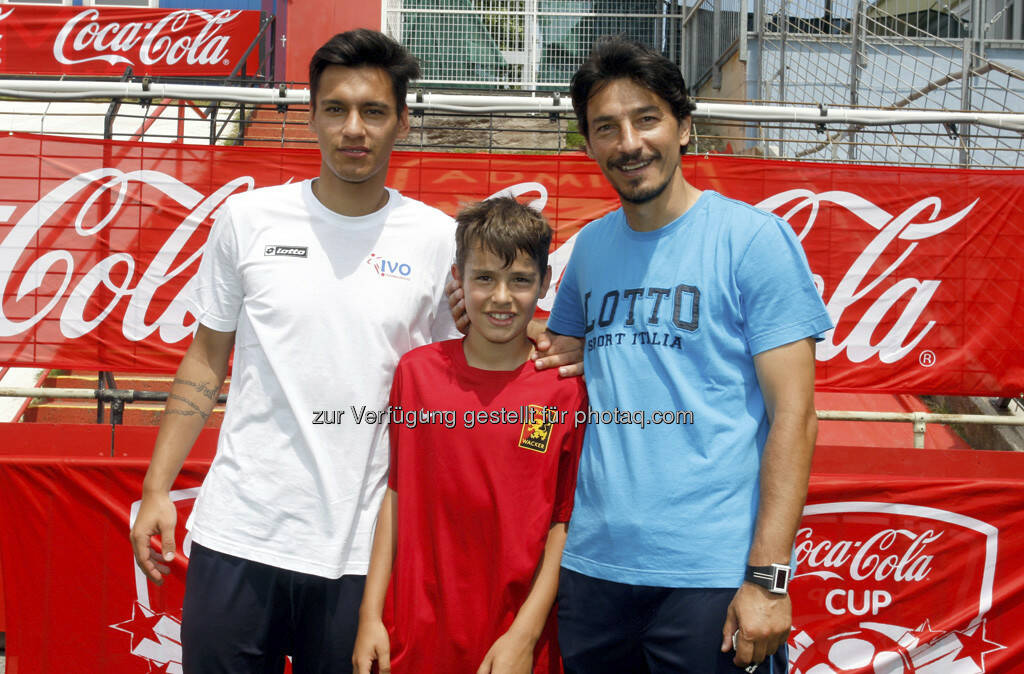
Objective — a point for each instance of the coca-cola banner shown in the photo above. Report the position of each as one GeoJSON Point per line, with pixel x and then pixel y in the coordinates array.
{"type": "Point", "coordinates": [41, 40]}
{"type": "Point", "coordinates": [897, 574]}
{"type": "Point", "coordinates": [906, 575]}
{"type": "Point", "coordinates": [921, 269]}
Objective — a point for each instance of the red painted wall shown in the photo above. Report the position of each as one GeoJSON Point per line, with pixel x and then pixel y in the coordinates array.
{"type": "Point", "coordinates": [310, 24]}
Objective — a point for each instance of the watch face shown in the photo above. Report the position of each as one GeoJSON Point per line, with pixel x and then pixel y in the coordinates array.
{"type": "Point", "coordinates": [781, 577]}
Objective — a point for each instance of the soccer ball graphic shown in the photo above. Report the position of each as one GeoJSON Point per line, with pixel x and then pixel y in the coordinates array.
{"type": "Point", "coordinates": [864, 651]}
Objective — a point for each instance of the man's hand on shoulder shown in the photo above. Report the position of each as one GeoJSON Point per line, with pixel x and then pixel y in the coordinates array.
{"type": "Point", "coordinates": [457, 305]}
{"type": "Point", "coordinates": [157, 517]}
{"type": "Point", "coordinates": [761, 622]}
{"type": "Point", "coordinates": [555, 350]}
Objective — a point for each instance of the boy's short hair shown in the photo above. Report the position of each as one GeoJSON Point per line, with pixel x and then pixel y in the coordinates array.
{"type": "Point", "coordinates": [504, 227]}
{"type": "Point", "coordinates": [616, 57]}
{"type": "Point", "coordinates": [363, 47]}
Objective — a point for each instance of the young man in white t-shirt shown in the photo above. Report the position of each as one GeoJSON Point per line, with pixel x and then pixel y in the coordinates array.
{"type": "Point", "coordinates": [317, 288]}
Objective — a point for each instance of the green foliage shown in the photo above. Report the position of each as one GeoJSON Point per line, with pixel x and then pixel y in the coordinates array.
{"type": "Point", "coordinates": [573, 138]}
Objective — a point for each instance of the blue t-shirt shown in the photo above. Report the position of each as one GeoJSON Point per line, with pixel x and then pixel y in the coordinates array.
{"type": "Point", "coordinates": [671, 320]}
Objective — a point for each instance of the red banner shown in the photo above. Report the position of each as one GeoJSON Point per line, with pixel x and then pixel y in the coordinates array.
{"type": "Point", "coordinates": [904, 575]}
{"type": "Point", "coordinates": [922, 270]}
{"type": "Point", "coordinates": [40, 40]}
{"type": "Point", "coordinates": [896, 573]}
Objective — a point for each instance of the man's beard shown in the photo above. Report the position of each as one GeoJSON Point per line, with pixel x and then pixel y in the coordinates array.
{"type": "Point", "coordinates": [639, 197]}
{"type": "Point", "coordinates": [642, 197]}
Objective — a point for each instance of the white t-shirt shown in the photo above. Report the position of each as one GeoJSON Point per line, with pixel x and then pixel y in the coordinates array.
{"type": "Point", "coordinates": [322, 307]}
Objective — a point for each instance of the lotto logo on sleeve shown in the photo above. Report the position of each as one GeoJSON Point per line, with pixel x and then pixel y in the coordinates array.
{"type": "Point", "coordinates": [536, 428]}
{"type": "Point", "coordinates": [287, 251]}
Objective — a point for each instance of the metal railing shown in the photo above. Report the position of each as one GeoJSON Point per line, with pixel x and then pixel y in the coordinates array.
{"type": "Point", "coordinates": [118, 398]}
{"type": "Point", "coordinates": [477, 121]}
{"type": "Point", "coordinates": [921, 419]}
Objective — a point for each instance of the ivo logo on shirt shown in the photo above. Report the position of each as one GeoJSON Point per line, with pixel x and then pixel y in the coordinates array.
{"type": "Point", "coordinates": [389, 268]}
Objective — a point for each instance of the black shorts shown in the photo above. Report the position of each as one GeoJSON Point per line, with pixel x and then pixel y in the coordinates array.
{"type": "Point", "coordinates": [243, 617]}
{"type": "Point", "coordinates": [612, 628]}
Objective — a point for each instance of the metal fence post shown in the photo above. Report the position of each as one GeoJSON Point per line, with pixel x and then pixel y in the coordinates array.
{"type": "Point", "coordinates": [759, 84]}
{"type": "Point", "coordinates": [716, 46]}
{"type": "Point", "coordinates": [784, 27]}
{"type": "Point", "coordinates": [744, 10]}
{"type": "Point", "coordinates": [856, 63]}
{"type": "Point", "coordinates": [919, 428]}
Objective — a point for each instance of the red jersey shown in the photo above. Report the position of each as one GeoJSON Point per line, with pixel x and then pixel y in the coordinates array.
{"type": "Point", "coordinates": [482, 472]}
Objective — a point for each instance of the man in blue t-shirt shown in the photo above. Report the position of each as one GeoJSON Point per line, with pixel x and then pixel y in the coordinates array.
{"type": "Point", "coordinates": [698, 315]}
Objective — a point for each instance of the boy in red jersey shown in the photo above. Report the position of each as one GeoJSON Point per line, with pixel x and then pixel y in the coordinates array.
{"type": "Point", "coordinates": [484, 450]}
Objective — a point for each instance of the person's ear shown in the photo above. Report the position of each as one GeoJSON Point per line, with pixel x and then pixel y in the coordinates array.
{"type": "Point", "coordinates": [545, 282]}
{"type": "Point", "coordinates": [685, 124]}
{"type": "Point", "coordinates": [403, 123]}
{"type": "Point", "coordinates": [456, 274]}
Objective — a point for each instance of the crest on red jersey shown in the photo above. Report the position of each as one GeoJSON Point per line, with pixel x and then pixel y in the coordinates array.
{"type": "Point", "coordinates": [536, 431]}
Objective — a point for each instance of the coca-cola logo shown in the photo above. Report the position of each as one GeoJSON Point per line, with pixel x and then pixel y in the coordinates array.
{"type": "Point", "coordinates": [190, 36]}
{"type": "Point", "coordinates": [870, 296]}
{"type": "Point", "coordinates": [100, 197]}
{"type": "Point", "coordinates": [901, 300]}
{"type": "Point", "coordinates": [873, 585]}
{"type": "Point", "coordinates": [895, 554]}
{"type": "Point", "coordinates": [4, 15]}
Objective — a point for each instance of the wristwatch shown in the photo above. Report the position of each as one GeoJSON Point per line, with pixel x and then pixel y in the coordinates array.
{"type": "Point", "coordinates": [774, 578]}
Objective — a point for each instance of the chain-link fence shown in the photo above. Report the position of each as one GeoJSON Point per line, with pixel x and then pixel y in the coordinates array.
{"type": "Point", "coordinates": [894, 54]}
{"type": "Point", "coordinates": [885, 54]}
{"type": "Point", "coordinates": [832, 55]}
{"type": "Point", "coordinates": [520, 44]}
{"type": "Point", "coordinates": [547, 125]}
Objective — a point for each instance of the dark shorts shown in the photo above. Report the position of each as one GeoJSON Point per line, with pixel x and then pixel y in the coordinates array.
{"type": "Point", "coordinates": [612, 628]}
{"type": "Point", "coordinates": [244, 617]}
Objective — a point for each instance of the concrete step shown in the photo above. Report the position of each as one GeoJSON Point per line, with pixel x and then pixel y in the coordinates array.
{"type": "Point", "coordinates": [269, 128]}
{"type": "Point", "coordinates": [17, 377]}
{"type": "Point", "coordinates": [76, 411]}
{"type": "Point", "coordinates": [136, 382]}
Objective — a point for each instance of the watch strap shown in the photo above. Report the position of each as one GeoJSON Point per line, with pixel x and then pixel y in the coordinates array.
{"type": "Point", "coordinates": [774, 578]}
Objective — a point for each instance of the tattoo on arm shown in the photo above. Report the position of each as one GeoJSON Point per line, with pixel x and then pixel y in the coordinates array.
{"type": "Point", "coordinates": [200, 386]}
{"type": "Point", "coordinates": [195, 409]}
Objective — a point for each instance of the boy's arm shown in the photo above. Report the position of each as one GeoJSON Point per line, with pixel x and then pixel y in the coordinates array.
{"type": "Point", "coordinates": [190, 401]}
{"type": "Point", "coordinates": [512, 653]}
{"type": "Point", "coordinates": [372, 641]}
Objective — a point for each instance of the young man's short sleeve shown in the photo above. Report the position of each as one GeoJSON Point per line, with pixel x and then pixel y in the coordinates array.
{"type": "Point", "coordinates": [568, 462]}
{"type": "Point", "coordinates": [217, 293]}
{"type": "Point", "coordinates": [567, 313]}
{"type": "Point", "coordinates": [780, 302]}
